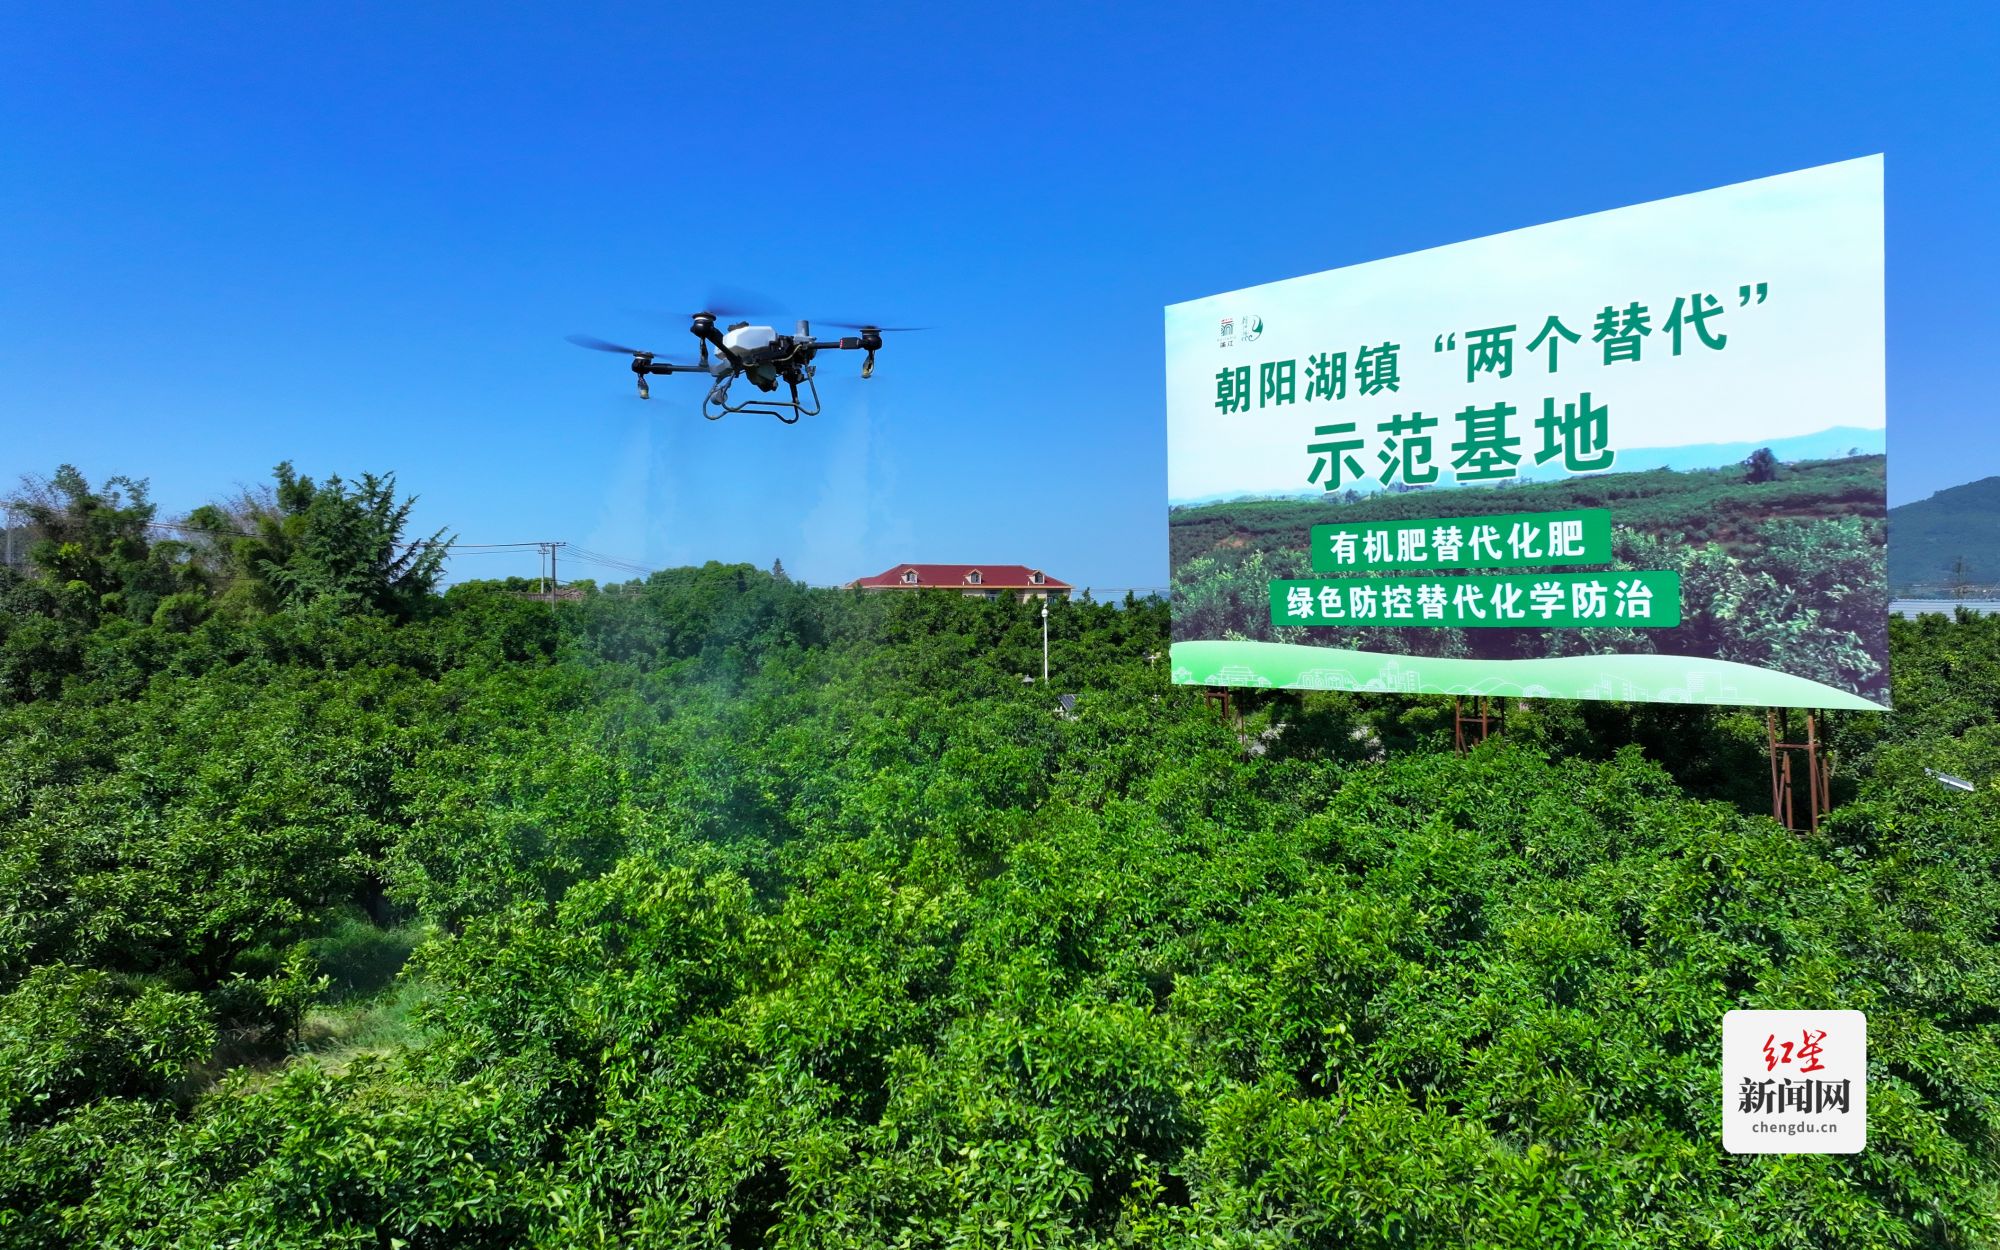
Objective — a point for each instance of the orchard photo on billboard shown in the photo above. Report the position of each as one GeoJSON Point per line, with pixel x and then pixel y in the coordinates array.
{"type": "Point", "coordinates": [1635, 455]}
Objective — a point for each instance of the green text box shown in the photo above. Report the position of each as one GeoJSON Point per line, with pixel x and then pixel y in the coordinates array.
{"type": "Point", "coordinates": [1615, 600]}
{"type": "Point", "coordinates": [1512, 540]}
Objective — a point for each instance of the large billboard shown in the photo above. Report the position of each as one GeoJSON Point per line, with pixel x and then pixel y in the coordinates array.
{"type": "Point", "coordinates": [1634, 455]}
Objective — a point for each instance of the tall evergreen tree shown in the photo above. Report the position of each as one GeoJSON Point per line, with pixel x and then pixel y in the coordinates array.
{"type": "Point", "coordinates": [338, 541]}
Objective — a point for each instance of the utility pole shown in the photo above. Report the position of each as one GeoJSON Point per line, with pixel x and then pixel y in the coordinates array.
{"type": "Point", "coordinates": [1045, 640]}
{"type": "Point", "coordinates": [10, 536]}
{"type": "Point", "coordinates": [549, 549]}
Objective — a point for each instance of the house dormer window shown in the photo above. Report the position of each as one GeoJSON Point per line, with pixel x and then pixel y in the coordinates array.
{"type": "Point", "coordinates": [1036, 577]}
{"type": "Point", "coordinates": [972, 578]}
{"type": "Point", "coordinates": [909, 577]}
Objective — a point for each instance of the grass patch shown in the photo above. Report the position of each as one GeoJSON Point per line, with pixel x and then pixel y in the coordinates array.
{"type": "Point", "coordinates": [359, 959]}
{"type": "Point", "coordinates": [334, 1034]}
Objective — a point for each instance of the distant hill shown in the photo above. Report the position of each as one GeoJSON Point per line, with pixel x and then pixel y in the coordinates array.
{"type": "Point", "coordinates": [1927, 536]}
{"type": "Point", "coordinates": [1837, 443]}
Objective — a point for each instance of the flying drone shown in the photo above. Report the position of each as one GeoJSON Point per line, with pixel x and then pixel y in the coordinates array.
{"type": "Point", "coordinates": [757, 353]}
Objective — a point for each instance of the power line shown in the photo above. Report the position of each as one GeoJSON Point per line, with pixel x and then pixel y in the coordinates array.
{"type": "Point", "coordinates": [600, 556]}
{"type": "Point", "coordinates": [182, 527]}
{"type": "Point", "coordinates": [616, 564]}
{"type": "Point", "coordinates": [451, 547]}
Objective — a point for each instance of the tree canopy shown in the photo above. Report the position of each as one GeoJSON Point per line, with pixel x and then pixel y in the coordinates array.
{"type": "Point", "coordinates": [726, 911]}
{"type": "Point", "coordinates": [335, 542]}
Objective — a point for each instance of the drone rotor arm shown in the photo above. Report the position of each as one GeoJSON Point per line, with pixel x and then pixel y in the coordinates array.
{"type": "Point", "coordinates": [704, 329]}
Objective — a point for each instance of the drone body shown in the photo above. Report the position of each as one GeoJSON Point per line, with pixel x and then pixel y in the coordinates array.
{"type": "Point", "coordinates": [758, 354]}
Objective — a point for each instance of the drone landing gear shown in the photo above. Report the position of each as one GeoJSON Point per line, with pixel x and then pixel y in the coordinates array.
{"type": "Point", "coordinates": [715, 405]}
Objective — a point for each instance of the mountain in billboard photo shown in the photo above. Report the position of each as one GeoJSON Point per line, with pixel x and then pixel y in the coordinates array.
{"type": "Point", "coordinates": [1834, 443]}
{"type": "Point", "coordinates": [1929, 538]}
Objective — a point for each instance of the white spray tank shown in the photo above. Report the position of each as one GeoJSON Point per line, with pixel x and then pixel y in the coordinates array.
{"type": "Point", "coordinates": [749, 338]}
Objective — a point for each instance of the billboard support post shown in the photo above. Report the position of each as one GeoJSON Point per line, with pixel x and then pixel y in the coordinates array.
{"type": "Point", "coordinates": [1784, 789]}
{"type": "Point", "coordinates": [1459, 721]}
{"type": "Point", "coordinates": [1218, 695]}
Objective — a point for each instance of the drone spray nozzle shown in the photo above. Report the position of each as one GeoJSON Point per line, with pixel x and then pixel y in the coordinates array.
{"type": "Point", "coordinates": [642, 364]}
{"type": "Point", "coordinates": [868, 364]}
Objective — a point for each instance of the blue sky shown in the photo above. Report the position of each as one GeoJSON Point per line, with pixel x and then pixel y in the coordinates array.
{"type": "Point", "coordinates": [355, 237]}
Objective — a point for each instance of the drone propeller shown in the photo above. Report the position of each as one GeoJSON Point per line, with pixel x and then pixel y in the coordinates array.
{"type": "Point", "coordinates": [853, 325]}
{"type": "Point", "coordinates": [599, 345]}
{"type": "Point", "coordinates": [736, 301]}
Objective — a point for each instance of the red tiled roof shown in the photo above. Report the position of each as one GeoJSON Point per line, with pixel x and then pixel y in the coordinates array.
{"type": "Point", "coordinates": [952, 576]}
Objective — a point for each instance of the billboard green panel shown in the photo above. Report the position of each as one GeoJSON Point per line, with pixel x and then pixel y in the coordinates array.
{"type": "Point", "coordinates": [1628, 600]}
{"type": "Point", "coordinates": [1508, 541]}
{"type": "Point", "coordinates": [1428, 473]}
